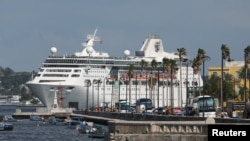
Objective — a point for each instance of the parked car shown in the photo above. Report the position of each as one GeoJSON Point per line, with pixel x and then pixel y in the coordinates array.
{"type": "Point", "coordinates": [160, 111]}
{"type": "Point", "coordinates": [177, 111]}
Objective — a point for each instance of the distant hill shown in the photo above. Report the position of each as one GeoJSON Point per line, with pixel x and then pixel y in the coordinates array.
{"type": "Point", "coordinates": [13, 83]}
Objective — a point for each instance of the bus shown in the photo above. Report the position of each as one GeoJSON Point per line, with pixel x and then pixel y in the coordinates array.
{"type": "Point", "coordinates": [144, 105]}
{"type": "Point", "coordinates": [204, 105]}
{"type": "Point", "coordinates": [123, 106]}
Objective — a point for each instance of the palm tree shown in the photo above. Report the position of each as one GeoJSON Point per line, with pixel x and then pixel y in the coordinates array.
{"type": "Point", "coordinates": [197, 63]}
{"type": "Point", "coordinates": [166, 66]}
{"type": "Point", "coordinates": [201, 57]}
{"type": "Point", "coordinates": [130, 76]}
{"type": "Point", "coordinates": [152, 78]}
{"type": "Point", "coordinates": [196, 69]}
{"type": "Point", "coordinates": [247, 61]}
{"type": "Point", "coordinates": [173, 69]}
{"type": "Point", "coordinates": [143, 64]}
{"type": "Point", "coordinates": [225, 54]}
{"type": "Point", "coordinates": [181, 52]}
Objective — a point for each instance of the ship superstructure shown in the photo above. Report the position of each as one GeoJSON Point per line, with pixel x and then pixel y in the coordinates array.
{"type": "Point", "coordinates": [90, 78]}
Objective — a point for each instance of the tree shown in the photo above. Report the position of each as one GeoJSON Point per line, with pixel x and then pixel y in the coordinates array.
{"type": "Point", "coordinates": [212, 87]}
{"type": "Point", "coordinates": [196, 69]}
{"type": "Point", "coordinates": [247, 61]}
{"type": "Point", "coordinates": [197, 63]}
{"type": "Point", "coordinates": [225, 54]}
{"type": "Point", "coordinates": [143, 64]}
{"type": "Point", "coordinates": [173, 69]}
{"type": "Point", "coordinates": [242, 73]}
{"type": "Point", "coordinates": [130, 76]}
{"type": "Point", "coordinates": [181, 52]}
{"type": "Point", "coordinates": [167, 68]}
{"type": "Point", "coordinates": [152, 80]}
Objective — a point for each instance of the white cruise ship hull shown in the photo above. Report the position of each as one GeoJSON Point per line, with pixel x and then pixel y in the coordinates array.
{"type": "Point", "coordinates": [88, 79]}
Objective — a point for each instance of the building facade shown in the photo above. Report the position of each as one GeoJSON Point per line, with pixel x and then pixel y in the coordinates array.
{"type": "Point", "coordinates": [233, 68]}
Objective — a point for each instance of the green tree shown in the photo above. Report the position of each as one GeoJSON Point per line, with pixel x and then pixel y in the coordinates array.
{"type": "Point", "coordinates": [166, 68]}
{"type": "Point", "coordinates": [225, 54]}
{"type": "Point", "coordinates": [181, 52]}
{"type": "Point", "coordinates": [247, 61]}
{"type": "Point", "coordinates": [152, 80]}
{"type": "Point", "coordinates": [213, 87]}
{"type": "Point", "coordinates": [173, 70]}
{"type": "Point", "coordinates": [130, 76]}
{"type": "Point", "coordinates": [144, 65]}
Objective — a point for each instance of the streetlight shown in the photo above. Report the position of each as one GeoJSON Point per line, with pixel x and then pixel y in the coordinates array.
{"type": "Point", "coordinates": [104, 103]}
{"type": "Point", "coordinates": [98, 92]}
{"type": "Point", "coordinates": [87, 84]}
{"type": "Point", "coordinates": [158, 99]}
{"type": "Point", "coordinates": [206, 58]}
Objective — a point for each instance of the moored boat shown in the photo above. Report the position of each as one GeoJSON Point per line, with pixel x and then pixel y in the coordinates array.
{"type": "Point", "coordinates": [5, 126]}
{"type": "Point", "coordinates": [9, 118]}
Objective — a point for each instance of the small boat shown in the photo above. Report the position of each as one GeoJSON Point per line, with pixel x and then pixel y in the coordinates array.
{"type": "Point", "coordinates": [97, 132]}
{"type": "Point", "coordinates": [9, 118]}
{"type": "Point", "coordinates": [83, 128]}
{"type": "Point", "coordinates": [74, 124]}
{"type": "Point", "coordinates": [56, 121]}
{"type": "Point", "coordinates": [35, 118]}
{"type": "Point", "coordinates": [5, 126]}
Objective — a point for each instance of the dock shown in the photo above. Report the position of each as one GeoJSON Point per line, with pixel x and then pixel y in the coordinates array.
{"type": "Point", "coordinates": [143, 127]}
{"type": "Point", "coordinates": [45, 112]}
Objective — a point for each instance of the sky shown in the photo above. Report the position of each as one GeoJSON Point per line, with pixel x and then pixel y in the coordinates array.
{"type": "Point", "coordinates": [29, 28]}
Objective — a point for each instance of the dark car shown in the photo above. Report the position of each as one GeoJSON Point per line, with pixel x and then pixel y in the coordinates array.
{"type": "Point", "coordinates": [160, 111]}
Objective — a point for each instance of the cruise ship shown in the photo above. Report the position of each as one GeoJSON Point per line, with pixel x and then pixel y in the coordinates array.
{"type": "Point", "coordinates": [90, 79]}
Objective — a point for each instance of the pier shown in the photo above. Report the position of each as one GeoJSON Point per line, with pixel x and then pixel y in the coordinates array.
{"type": "Point", "coordinates": [143, 127]}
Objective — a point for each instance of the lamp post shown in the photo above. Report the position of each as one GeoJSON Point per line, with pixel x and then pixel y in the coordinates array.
{"type": "Point", "coordinates": [98, 93]}
{"type": "Point", "coordinates": [206, 58]}
{"type": "Point", "coordinates": [87, 84]}
{"type": "Point", "coordinates": [158, 99]}
{"type": "Point", "coordinates": [136, 85]}
{"type": "Point", "coordinates": [104, 103]}
{"type": "Point", "coordinates": [126, 94]}
{"type": "Point", "coordinates": [93, 92]}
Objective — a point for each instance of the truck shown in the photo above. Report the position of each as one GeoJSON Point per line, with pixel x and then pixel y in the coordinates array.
{"type": "Point", "coordinates": [235, 109]}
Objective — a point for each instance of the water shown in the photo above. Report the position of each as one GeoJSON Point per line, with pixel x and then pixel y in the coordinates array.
{"type": "Point", "coordinates": [25, 129]}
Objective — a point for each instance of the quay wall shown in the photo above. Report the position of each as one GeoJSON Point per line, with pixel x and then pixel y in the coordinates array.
{"type": "Point", "coordinates": [139, 127]}
{"type": "Point", "coordinates": [148, 127]}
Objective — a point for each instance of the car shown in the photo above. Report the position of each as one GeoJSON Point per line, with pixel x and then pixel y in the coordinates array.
{"type": "Point", "coordinates": [160, 111]}
{"type": "Point", "coordinates": [177, 111]}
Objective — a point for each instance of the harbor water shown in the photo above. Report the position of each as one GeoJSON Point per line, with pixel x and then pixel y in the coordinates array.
{"type": "Point", "coordinates": [25, 129]}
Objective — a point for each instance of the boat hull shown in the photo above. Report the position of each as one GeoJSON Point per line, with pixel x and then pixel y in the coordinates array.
{"type": "Point", "coordinates": [82, 97]}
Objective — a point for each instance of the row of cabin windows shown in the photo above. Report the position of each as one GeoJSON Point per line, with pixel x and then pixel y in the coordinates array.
{"type": "Point", "coordinates": [61, 75]}
{"type": "Point", "coordinates": [62, 70]}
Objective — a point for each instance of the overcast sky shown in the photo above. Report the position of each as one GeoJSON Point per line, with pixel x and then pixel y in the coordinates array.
{"type": "Point", "coordinates": [29, 28]}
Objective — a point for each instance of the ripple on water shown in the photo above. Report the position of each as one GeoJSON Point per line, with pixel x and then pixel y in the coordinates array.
{"type": "Point", "coordinates": [38, 131]}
